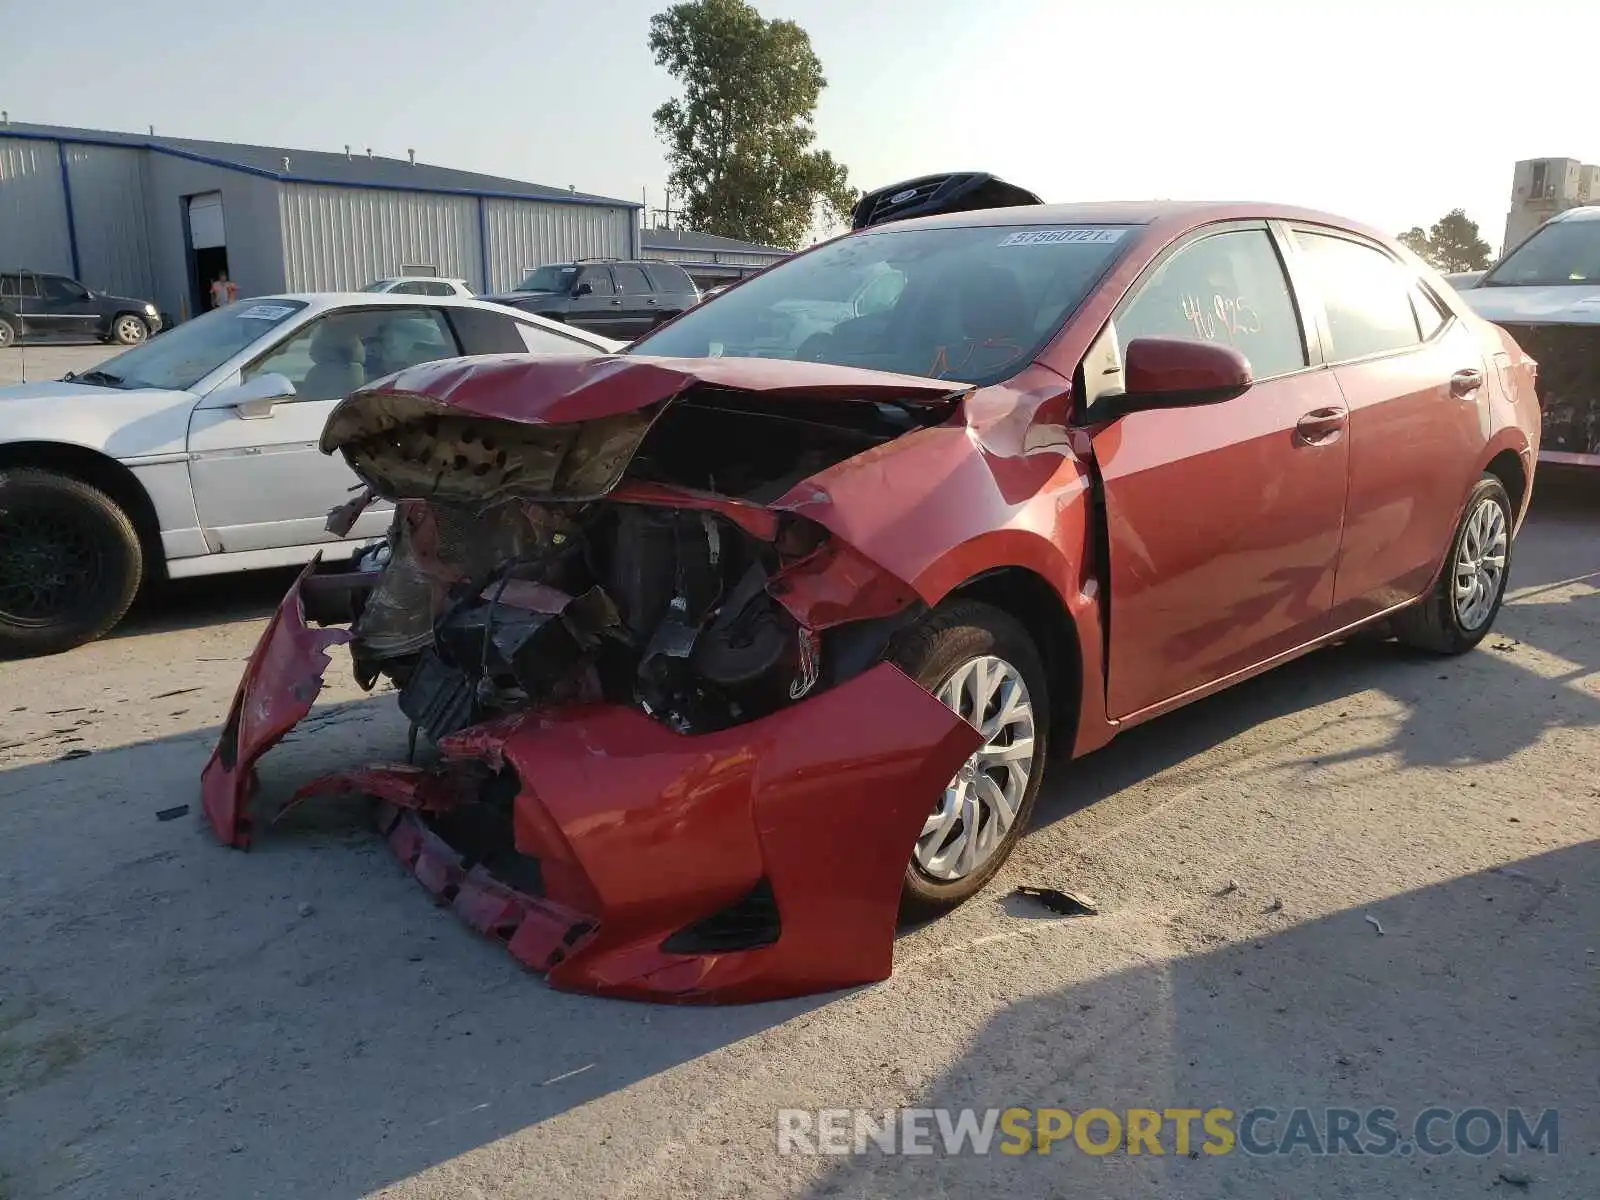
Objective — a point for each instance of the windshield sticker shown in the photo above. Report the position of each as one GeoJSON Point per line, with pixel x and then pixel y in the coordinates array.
{"type": "Point", "coordinates": [266, 312]}
{"type": "Point", "coordinates": [1057, 237]}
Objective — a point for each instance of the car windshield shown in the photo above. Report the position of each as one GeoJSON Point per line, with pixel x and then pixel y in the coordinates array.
{"type": "Point", "coordinates": [182, 357]}
{"type": "Point", "coordinates": [973, 304]}
{"type": "Point", "coordinates": [378, 285]}
{"type": "Point", "coordinates": [1561, 252]}
{"type": "Point", "coordinates": [548, 279]}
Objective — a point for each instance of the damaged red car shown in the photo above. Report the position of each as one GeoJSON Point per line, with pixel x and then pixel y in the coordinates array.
{"type": "Point", "coordinates": [739, 647]}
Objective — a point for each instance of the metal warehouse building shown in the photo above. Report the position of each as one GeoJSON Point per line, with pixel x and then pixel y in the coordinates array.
{"type": "Point", "coordinates": [710, 260]}
{"type": "Point", "coordinates": [158, 217]}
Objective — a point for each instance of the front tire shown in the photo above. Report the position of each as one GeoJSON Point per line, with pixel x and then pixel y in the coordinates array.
{"type": "Point", "coordinates": [8, 333]}
{"type": "Point", "coordinates": [981, 662]}
{"type": "Point", "coordinates": [1460, 610]}
{"type": "Point", "coordinates": [129, 330]}
{"type": "Point", "coordinates": [70, 563]}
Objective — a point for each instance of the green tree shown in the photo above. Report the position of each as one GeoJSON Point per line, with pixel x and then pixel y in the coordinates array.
{"type": "Point", "coordinates": [739, 139]}
{"type": "Point", "coordinates": [1452, 244]}
{"type": "Point", "coordinates": [1415, 240]}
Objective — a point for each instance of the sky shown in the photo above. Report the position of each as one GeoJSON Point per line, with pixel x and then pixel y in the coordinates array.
{"type": "Point", "coordinates": [1391, 113]}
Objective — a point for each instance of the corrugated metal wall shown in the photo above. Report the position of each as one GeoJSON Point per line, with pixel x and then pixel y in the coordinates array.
{"type": "Point", "coordinates": [108, 211]}
{"type": "Point", "coordinates": [341, 239]}
{"type": "Point", "coordinates": [33, 211]}
{"type": "Point", "coordinates": [731, 258]}
{"type": "Point", "coordinates": [528, 233]}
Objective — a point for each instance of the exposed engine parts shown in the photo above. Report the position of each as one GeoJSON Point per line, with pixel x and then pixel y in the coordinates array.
{"type": "Point", "coordinates": [479, 614]}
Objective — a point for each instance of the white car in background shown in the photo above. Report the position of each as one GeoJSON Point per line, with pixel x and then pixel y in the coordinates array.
{"type": "Point", "coordinates": [1546, 294]}
{"type": "Point", "coordinates": [196, 453]}
{"type": "Point", "coordinates": [419, 285]}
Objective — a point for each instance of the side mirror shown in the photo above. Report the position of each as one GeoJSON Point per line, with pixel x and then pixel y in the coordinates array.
{"type": "Point", "coordinates": [1174, 373]}
{"type": "Point", "coordinates": [254, 398]}
{"type": "Point", "coordinates": [583, 289]}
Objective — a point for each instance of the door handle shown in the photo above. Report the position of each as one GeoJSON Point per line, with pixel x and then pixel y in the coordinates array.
{"type": "Point", "coordinates": [1465, 384]}
{"type": "Point", "coordinates": [1321, 426]}
{"type": "Point", "coordinates": [616, 303]}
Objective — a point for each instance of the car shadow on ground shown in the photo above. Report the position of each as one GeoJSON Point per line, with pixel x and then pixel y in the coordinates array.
{"type": "Point", "coordinates": [1326, 1013]}
{"type": "Point", "coordinates": [1439, 698]}
{"type": "Point", "coordinates": [304, 1004]}
{"type": "Point", "coordinates": [169, 606]}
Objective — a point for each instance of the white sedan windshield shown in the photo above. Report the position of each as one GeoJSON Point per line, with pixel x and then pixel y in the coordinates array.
{"type": "Point", "coordinates": [973, 304]}
{"type": "Point", "coordinates": [1562, 252]}
{"type": "Point", "coordinates": [182, 357]}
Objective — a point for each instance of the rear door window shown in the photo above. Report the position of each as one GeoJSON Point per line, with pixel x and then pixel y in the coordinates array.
{"type": "Point", "coordinates": [599, 281]}
{"type": "Point", "coordinates": [631, 280]}
{"type": "Point", "coordinates": [1366, 296]}
{"type": "Point", "coordinates": [1226, 288]}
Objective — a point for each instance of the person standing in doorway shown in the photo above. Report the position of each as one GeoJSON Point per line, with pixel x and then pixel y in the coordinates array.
{"type": "Point", "coordinates": [223, 291]}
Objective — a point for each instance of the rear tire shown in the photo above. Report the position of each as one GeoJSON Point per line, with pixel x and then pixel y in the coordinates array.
{"type": "Point", "coordinates": [70, 563]}
{"type": "Point", "coordinates": [970, 652]}
{"type": "Point", "coordinates": [1460, 610]}
{"type": "Point", "coordinates": [129, 330]}
{"type": "Point", "coordinates": [8, 333]}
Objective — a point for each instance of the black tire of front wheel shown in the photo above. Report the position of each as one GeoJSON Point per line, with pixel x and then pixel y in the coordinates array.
{"type": "Point", "coordinates": [8, 333]}
{"type": "Point", "coordinates": [118, 560]}
{"type": "Point", "coordinates": [1432, 624]}
{"type": "Point", "coordinates": [929, 652]}
{"type": "Point", "coordinates": [132, 321]}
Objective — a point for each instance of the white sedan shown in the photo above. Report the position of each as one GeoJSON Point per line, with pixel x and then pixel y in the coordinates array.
{"type": "Point", "coordinates": [419, 285]}
{"type": "Point", "coordinates": [196, 453]}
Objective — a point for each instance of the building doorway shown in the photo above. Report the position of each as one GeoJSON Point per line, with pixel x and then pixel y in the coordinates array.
{"type": "Point", "coordinates": [207, 237]}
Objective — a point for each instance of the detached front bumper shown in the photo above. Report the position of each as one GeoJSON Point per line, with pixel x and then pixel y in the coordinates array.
{"type": "Point", "coordinates": [752, 863]}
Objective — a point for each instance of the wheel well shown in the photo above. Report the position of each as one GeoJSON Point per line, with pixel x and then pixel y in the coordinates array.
{"type": "Point", "coordinates": [1032, 601]}
{"type": "Point", "coordinates": [107, 474]}
{"type": "Point", "coordinates": [1507, 468]}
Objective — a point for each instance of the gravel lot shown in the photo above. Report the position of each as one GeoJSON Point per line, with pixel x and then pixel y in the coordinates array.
{"type": "Point", "coordinates": [179, 1020]}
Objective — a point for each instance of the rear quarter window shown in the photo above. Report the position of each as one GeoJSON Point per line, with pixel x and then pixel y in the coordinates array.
{"type": "Point", "coordinates": [665, 277]}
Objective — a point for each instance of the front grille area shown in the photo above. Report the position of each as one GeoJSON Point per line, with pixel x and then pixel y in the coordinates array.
{"type": "Point", "coordinates": [1569, 383]}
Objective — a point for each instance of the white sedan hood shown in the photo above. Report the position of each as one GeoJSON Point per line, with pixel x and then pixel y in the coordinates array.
{"type": "Point", "coordinates": [122, 424]}
{"type": "Point", "coordinates": [1566, 304]}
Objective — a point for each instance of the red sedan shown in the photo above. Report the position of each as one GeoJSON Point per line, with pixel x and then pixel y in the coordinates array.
{"type": "Point", "coordinates": [741, 645]}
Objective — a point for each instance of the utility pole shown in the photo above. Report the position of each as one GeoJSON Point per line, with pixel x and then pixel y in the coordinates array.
{"type": "Point", "coordinates": [666, 214]}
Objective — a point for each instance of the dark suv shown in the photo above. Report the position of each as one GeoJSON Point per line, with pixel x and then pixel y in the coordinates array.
{"type": "Point", "coordinates": [38, 306]}
{"type": "Point", "coordinates": [611, 297]}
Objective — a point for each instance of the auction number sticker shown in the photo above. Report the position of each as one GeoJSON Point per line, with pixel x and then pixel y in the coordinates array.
{"type": "Point", "coordinates": [1057, 237]}
{"type": "Point", "coordinates": [266, 312]}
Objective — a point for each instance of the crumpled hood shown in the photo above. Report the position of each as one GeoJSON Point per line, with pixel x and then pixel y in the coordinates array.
{"type": "Point", "coordinates": [562, 390]}
{"type": "Point", "coordinates": [1566, 304]}
{"type": "Point", "coordinates": [470, 430]}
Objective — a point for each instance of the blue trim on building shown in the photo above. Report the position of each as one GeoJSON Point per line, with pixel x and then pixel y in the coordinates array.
{"type": "Point", "coordinates": [483, 241]}
{"type": "Point", "coordinates": [287, 177]}
{"type": "Point", "coordinates": [72, 220]}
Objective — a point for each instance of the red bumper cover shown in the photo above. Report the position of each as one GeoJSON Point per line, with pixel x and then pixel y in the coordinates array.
{"type": "Point", "coordinates": [640, 832]}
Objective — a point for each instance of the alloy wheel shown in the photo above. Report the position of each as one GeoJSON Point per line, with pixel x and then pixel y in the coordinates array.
{"type": "Point", "coordinates": [130, 330]}
{"type": "Point", "coordinates": [970, 821]}
{"type": "Point", "coordinates": [1480, 564]}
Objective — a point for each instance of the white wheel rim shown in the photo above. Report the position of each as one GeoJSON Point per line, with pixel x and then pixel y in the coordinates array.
{"type": "Point", "coordinates": [980, 804]}
{"type": "Point", "coordinates": [129, 329]}
{"type": "Point", "coordinates": [1481, 564]}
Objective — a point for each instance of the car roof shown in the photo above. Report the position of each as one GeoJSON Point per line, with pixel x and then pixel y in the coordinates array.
{"type": "Point", "coordinates": [1588, 212]}
{"type": "Point", "coordinates": [1126, 212]}
{"type": "Point", "coordinates": [371, 299]}
{"type": "Point", "coordinates": [419, 279]}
